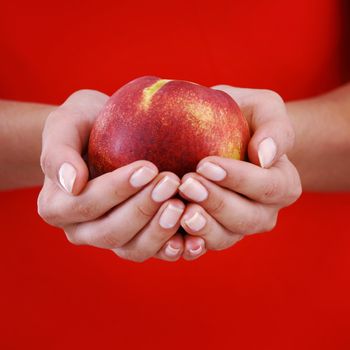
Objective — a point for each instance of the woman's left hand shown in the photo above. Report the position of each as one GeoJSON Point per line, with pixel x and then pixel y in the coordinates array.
{"type": "Point", "coordinates": [231, 198]}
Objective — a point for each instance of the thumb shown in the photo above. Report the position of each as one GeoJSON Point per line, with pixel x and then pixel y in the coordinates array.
{"type": "Point", "coordinates": [65, 138]}
{"type": "Point", "coordinates": [271, 140]}
{"type": "Point", "coordinates": [272, 131]}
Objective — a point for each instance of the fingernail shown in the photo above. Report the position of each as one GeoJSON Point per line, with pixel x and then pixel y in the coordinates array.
{"type": "Point", "coordinates": [212, 171]}
{"type": "Point", "coordinates": [67, 175]}
{"type": "Point", "coordinates": [267, 152]}
{"type": "Point", "coordinates": [196, 222]}
{"type": "Point", "coordinates": [165, 189]}
{"type": "Point", "coordinates": [196, 249]}
{"type": "Point", "coordinates": [194, 189]}
{"type": "Point", "coordinates": [170, 216]}
{"type": "Point", "coordinates": [142, 176]}
{"type": "Point", "coordinates": [171, 251]}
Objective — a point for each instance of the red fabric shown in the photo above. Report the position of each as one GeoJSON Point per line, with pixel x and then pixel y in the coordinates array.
{"type": "Point", "coordinates": [288, 289]}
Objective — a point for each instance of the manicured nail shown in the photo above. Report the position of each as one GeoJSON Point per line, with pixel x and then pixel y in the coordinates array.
{"type": "Point", "coordinates": [142, 176]}
{"type": "Point", "coordinates": [170, 216]}
{"type": "Point", "coordinates": [67, 175]}
{"type": "Point", "coordinates": [196, 222]}
{"type": "Point", "coordinates": [212, 171]}
{"type": "Point", "coordinates": [267, 152]}
{"type": "Point", "coordinates": [194, 189]}
{"type": "Point", "coordinates": [171, 251]}
{"type": "Point", "coordinates": [165, 189]}
{"type": "Point", "coordinates": [196, 249]}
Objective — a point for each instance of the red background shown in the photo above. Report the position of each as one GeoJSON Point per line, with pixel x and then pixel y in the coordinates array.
{"type": "Point", "coordinates": [288, 289]}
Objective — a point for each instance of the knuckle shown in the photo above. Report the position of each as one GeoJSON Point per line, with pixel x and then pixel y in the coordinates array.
{"type": "Point", "coordinates": [77, 97]}
{"type": "Point", "coordinates": [112, 240]}
{"type": "Point", "coordinates": [273, 96]}
{"type": "Point", "coordinates": [45, 214]}
{"type": "Point", "coordinates": [237, 227]}
{"type": "Point", "coordinates": [157, 238]}
{"type": "Point", "coordinates": [143, 212]}
{"type": "Point", "coordinates": [244, 227]}
{"type": "Point", "coordinates": [298, 191]}
{"type": "Point", "coordinates": [78, 93]}
{"type": "Point", "coordinates": [293, 186]}
{"type": "Point", "coordinates": [46, 211]}
{"type": "Point", "coordinates": [54, 115]}
{"type": "Point", "coordinates": [271, 190]}
{"type": "Point", "coordinates": [294, 192]}
{"type": "Point", "coordinates": [119, 192]}
{"type": "Point", "coordinates": [46, 163]}
{"type": "Point", "coordinates": [41, 204]}
{"type": "Point", "coordinates": [86, 210]}
{"type": "Point", "coordinates": [85, 94]}
{"type": "Point", "coordinates": [250, 225]}
{"type": "Point", "coordinates": [80, 98]}
{"type": "Point", "coordinates": [218, 206]}
{"type": "Point", "coordinates": [72, 238]}
{"type": "Point", "coordinates": [237, 180]}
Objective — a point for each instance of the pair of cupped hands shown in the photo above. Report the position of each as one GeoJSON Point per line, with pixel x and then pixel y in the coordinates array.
{"type": "Point", "coordinates": [133, 210]}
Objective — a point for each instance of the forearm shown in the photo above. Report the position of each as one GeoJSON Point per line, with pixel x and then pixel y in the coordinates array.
{"type": "Point", "coordinates": [21, 125]}
{"type": "Point", "coordinates": [322, 150]}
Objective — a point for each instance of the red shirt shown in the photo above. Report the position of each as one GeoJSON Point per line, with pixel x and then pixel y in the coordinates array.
{"type": "Point", "coordinates": [288, 289]}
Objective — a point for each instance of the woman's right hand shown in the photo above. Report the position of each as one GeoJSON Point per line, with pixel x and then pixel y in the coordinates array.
{"type": "Point", "coordinates": [129, 210]}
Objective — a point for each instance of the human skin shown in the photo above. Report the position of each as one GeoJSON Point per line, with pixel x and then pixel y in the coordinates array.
{"type": "Point", "coordinates": [265, 190]}
{"type": "Point", "coordinates": [322, 146]}
{"type": "Point", "coordinates": [21, 125]}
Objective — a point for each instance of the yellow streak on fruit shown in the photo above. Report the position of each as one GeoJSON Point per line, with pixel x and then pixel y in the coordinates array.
{"type": "Point", "coordinates": [148, 92]}
{"type": "Point", "coordinates": [202, 113]}
{"type": "Point", "coordinates": [230, 150]}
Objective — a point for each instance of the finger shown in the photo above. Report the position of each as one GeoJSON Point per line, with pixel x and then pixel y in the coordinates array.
{"type": "Point", "coordinates": [199, 224]}
{"type": "Point", "coordinates": [44, 201]}
{"type": "Point", "coordinates": [65, 137]}
{"type": "Point", "coordinates": [171, 250]}
{"type": "Point", "coordinates": [194, 248]}
{"type": "Point", "coordinates": [122, 223]}
{"type": "Point", "coordinates": [273, 134]}
{"type": "Point", "coordinates": [155, 234]}
{"type": "Point", "coordinates": [99, 196]}
{"type": "Point", "coordinates": [278, 185]}
{"type": "Point", "coordinates": [236, 213]}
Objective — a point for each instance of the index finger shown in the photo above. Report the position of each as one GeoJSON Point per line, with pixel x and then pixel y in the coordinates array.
{"type": "Point", "coordinates": [279, 185]}
{"type": "Point", "coordinates": [99, 196]}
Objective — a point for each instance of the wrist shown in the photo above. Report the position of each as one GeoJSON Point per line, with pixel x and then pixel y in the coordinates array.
{"type": "Point", "coordinates": [21, 125]}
